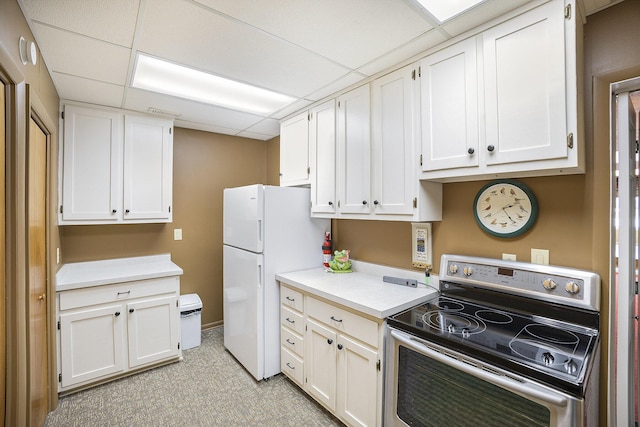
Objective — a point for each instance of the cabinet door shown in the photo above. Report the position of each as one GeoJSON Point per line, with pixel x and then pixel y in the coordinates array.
{"type": "Point", "coordinates": [148, 169]}
{"type": "Point", "coordinates": [294, 151]}
{"type": "Point", "coordinates": [322, 150]}
{"type": "Point", "coordinates": [449, 107]}
{"type": "Point", "coordinates": [320, 363]}
{"type": "Point", "coordinates": [524, 74]}
{"type": "Point", "coordinates": [354, 148]}
{"type": "Point", "coordinates": [153, 330]}
{"type": "Point", "coordinates": [393, 167]}
{"type": "Point", "coordinates": [91, 344]}
{"type": "Point", "coordinates": [357, 379]}
{"type": "Point", "coordinates": [92, 165]}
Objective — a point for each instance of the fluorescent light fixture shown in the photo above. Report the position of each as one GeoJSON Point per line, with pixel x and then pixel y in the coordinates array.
{"type": "Point", "coordinates": [445, 9]}
{"type": "Point", "coordinates": [168, 78]}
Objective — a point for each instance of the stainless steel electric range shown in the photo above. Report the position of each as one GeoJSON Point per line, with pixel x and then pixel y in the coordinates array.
{"type": "Point", "coordinates": [504, 343]}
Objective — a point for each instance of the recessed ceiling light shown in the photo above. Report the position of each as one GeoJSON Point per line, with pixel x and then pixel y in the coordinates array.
{"type": "Point", "coordinates": [172, 79]}
{"type": "Point", "coordinates": [445, 9]}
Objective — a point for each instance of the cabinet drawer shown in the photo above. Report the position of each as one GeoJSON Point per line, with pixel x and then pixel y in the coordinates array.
{"type": "Point", "coordinates": [292, 341]}
{"type": "Point", "coordinates": [291, 320]}
{"type": "Point", "coordinates": [291, 298]}
{"type": "Point", "coordinates": [358, 327]}
{"type": "Point", "coordinates": [291, 366]}
{"type": "Point", "coordinates": [121, 292]}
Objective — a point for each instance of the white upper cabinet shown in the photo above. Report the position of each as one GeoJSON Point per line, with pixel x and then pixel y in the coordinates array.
{"type": "Point", "coordinates": [322, 150]}
{"type": "Point", "coordinates": [115, 168]}
{"type": "Point", "coordinates": [354, 151]}
{"type": "Point", "coordinates": [394, 162]}
{"type": "Point", "coordinates": [148, 168]}
{"type": "Point", "coordinates": [294, 151]}
{"type": "Point", "coordinates": [449, 107]}
{"type": "Point", "coordinates": [505, 101]}
{"type": "Point", "coordinates": [525, 88]}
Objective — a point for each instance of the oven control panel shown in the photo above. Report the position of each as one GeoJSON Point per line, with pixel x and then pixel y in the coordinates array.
{"type": "Point", "coordinates": [552, 283]}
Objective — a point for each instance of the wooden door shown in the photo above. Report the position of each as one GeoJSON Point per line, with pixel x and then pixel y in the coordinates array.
{"type": "Point", "coordinates": [37, 220]}
{"type": "Point", "coordinates": [3, 333]}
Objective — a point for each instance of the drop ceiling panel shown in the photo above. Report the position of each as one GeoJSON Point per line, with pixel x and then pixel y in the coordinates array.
{"type": "Point", "coordinates": [266, 127]}
{"type": "Point", "coordinates": [480, 14]}
{"type": "Point", "coordinates": [112, 20]}
{"type": "Point", "coordinates": [351, 33]}
{"type": "Point", "coordinates": [336, 86]}
{"type": "Point", "coordinates": [74, 54]}
{"type": "Point", "coordinates": [227, 48]}
{"type": "Point", "coordinates": [141, 100]}
{"type": "Point", "coordinates": [85, 90]}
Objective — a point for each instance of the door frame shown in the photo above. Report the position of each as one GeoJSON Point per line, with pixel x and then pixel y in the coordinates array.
{"type": "Point", "coordinates": [621, 321]}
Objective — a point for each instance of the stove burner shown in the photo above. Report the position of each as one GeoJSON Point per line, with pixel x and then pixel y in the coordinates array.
{"type": "Point", "coordinates": [458, 323]}
{"type": "Point", "coordinates": [496, 317]}
{"type": "Point", "coordinates": [448, 305]}
{"type": "Point", "coordinates": [552, 335]}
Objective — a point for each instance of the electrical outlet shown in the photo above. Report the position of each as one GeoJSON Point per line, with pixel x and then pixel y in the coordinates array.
{"type": "Point", "coordinates": [509, 257]}
{"type": "Point", "coordinates": [540, 256]}
{"type": "Point", "coordinates": [177, 234]}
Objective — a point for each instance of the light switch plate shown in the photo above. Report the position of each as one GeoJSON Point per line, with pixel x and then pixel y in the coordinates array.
{"type": "Point", "coordinates": [177, 234]}
{"type": "Point", "coordinates": [509, 257]}
{"type": "Point", "coordinates": [540, 256]}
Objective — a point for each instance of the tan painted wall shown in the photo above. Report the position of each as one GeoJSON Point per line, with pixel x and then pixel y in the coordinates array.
{"type": "Point", "coordinates": [204, 164]}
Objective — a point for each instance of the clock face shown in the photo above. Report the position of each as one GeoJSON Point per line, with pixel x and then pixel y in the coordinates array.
{"type": "Point", "coordinates": [505, 208]}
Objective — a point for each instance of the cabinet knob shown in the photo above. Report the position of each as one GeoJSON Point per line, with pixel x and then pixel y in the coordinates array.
{"type": "Point", "coordinates": [42, 297]}
{"type": "Point", "coordinates": [330, 203]}
{"type": "Point", "coordinates": [329, 341]}
{"type": "Point", "coordinates": [117, 313]}
{"type": "Point", "coordinates": [339, 346]}
{"type": "Point", "coordinates": [364, 202]}
{"type": "Point", "coordinates": [113, 211]}
{"type": "Point", "coordinates": [471, 150]}
{"type": "Point", "coordinates": [375, 202]}
{"type": "Point", "coordinates": [491, 148]}
{"type": "Point", "coordinates": [131, 310]}
{"type": "Point", "coordinates": [126, 211]}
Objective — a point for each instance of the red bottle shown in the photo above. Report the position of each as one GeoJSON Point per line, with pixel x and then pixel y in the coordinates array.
{"type": "Point", "coordinates": [326, 249]}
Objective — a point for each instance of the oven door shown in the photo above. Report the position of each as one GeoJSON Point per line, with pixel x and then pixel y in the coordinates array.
{"type": "Point", "coordinates": [427, 385]}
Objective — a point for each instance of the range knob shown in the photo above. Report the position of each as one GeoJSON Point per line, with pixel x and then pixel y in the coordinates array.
{"type": "Point", "coordinates": [572, 287]}
{"type": "Point", "coordinates": [571, 367]}
{"type": "Point", "coordinates": [549, 284]}
{"type": "Point", "coordinates": [547, 359]}
{"type": "Point", "coordinates": [453, 269]}
{"type": "Point", "coordinates": [467, 271]}
{"type": "Point", "coordinates": [452, 328]}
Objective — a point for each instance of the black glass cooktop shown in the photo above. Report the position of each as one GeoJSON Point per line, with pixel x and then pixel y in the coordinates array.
{"type": "Point", "coordinates": [528, 342]}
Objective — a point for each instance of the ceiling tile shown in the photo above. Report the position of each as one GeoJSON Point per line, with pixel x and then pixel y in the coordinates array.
{"type": "Point", "coordinates": [112, 20]}
{"type": "Point", "coordinates": [346, 81]}
{"type": "Point", "coordinates": [266, 127]}
{"type": "Point", "coordinates": [351, 32]}
{"type": "Point", "coordinates": [85, 90]}
{"type": "Point", "coordinates": [191, 35]}
{"type": "Point", "coordinates": [74, 54]}
{"type": "Point", "coordinates": [480, 14]}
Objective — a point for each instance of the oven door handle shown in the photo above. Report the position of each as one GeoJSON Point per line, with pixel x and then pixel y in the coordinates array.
{"type": "Point", "coordinates": [525, 390]}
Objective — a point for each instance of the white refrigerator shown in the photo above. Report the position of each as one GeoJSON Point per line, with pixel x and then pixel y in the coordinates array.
{"type": "Point", "coordinates": [267, 230]}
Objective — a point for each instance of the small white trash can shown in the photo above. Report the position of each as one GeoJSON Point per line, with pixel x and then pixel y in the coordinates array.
{"type": "Point", "coordinates": [190, 320]}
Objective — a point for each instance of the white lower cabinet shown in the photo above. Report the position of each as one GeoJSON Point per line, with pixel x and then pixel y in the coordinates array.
{"type": "Point", "coordinates": [106, 331]}
{"type": "Point", "coordinates": [337, 360]}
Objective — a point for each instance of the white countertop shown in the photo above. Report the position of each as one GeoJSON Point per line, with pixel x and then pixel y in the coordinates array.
{"type": "Point", "coordinates": [363, 290]}
{"type": "Point", "coordinates": [96, 273]}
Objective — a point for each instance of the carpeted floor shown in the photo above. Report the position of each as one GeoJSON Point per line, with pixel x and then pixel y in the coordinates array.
{"type": "Point", "coordinates": [208, 388]}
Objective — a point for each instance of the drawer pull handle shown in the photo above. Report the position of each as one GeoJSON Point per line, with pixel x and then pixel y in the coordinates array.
{"type": "Point", "coordinates": [290, 299]}
{"type": "Point", "coordinates": [290, 321]}
{"type": "Point", "coordinates": [290, 342]}
{"type": "Point", "coordinates": [117, 313]}
{"type": "Point", "coordinates": [124, 293]}
{"type": "Point", "coordinates": [336, 320]}
{"type": "Point", "coordinates": [329, 341]}
{"type": "Point", "coordinates": [290, 367]}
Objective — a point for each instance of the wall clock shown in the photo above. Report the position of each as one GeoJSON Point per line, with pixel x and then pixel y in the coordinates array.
{"type": "Point", "coordinates": [505, 208]}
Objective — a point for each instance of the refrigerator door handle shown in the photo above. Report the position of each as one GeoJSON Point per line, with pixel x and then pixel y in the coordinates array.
{"type": "Point", "coordinates": [259, 275]}
{"type": "Point", "coordinates": [260, 230]}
